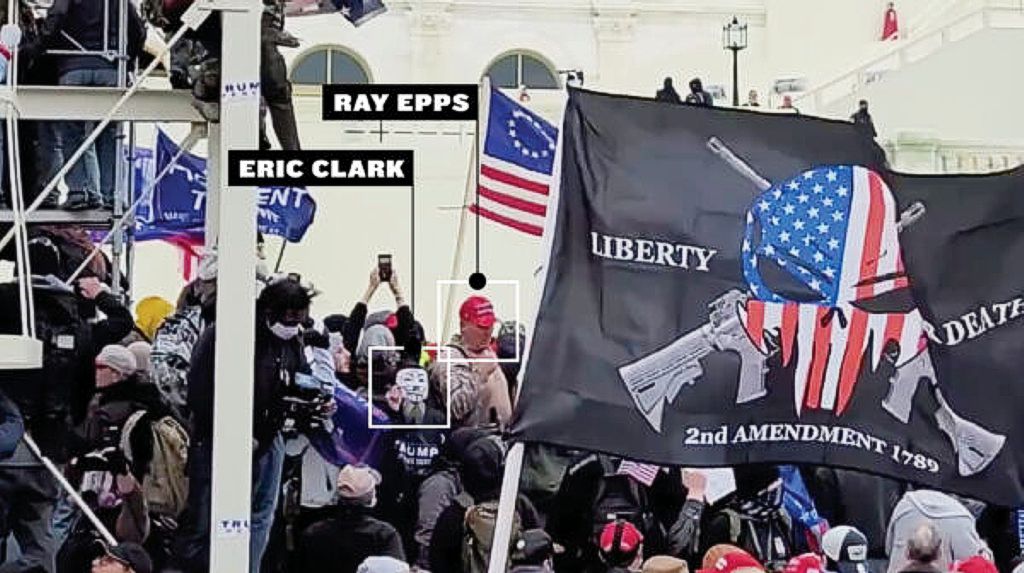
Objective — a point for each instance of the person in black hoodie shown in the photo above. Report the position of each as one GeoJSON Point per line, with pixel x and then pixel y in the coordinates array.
{"type": "Point", "coordinates": [698, 96]}
{"type": "Point", "coordinates": [862, 121]}
{"type": "Point", "coordinates": [668, 93]}
{"type": "Point", "coordinates": [480, 467]}
{"type": "Point", "coordinates": [74, 25]}
{"type": "Point", "coordinates": [341, 542]}
{"type": "Point", "coordinates": [280, 310]}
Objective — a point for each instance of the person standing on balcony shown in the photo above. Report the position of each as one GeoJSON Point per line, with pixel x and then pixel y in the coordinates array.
{"type": "Point", "coordinates": [891, 27]}
{"type": "Point", "coordinates": [77, 25]}
{"type": "Point", "coordinates": [862, 121]}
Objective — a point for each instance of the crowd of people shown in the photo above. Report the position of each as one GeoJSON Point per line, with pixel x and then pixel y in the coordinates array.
{"type": "Point", "coordinates": [123, 410]}
{"type": "Point", "coordinates": [106, 451]}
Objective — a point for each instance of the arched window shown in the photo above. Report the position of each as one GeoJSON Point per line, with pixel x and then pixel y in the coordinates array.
{"type": "Point", "coordinates": [522, 69]}
{"type": "Point", "coordinates": [329, 65]}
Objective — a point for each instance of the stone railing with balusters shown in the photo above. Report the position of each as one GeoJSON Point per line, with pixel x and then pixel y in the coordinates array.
{"type": "Point", "coordinates": [926, 153]}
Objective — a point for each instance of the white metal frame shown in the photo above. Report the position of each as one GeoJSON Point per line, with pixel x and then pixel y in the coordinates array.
{"type": "Point", "coordinates": [235, 239]}
{"type": "Point", "coordinates": [231, 226]}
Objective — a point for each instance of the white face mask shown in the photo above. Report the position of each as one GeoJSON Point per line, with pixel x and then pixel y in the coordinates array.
{"type": "Point", "coordinates": [413, 382]}
{"type": "Point", "coordinates": [284, 332]}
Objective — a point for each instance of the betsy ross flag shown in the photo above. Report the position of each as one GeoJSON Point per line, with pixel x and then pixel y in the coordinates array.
{"type": "Point", "coordinates": [515, 166]}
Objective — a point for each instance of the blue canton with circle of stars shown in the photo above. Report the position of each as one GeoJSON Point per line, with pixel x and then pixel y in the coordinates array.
{"type": "Point", "coordinates": [519, 136]}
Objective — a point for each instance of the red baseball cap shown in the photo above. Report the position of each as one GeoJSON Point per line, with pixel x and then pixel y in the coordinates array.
{"type": "Point", "coordinates": [733, 561]}
{"type": "Point", "coordinates": [806, 563]}
{"type": "Point", "coordinates": [479, 311]}
{"type": "Point", "coordinates": [976, 564]}
{"type": "Point", "coordinates": [626, 534]}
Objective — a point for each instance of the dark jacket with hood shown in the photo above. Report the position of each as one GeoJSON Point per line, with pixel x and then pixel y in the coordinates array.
{"type": "Point", "coordinates": [82, 21]}
{"type": "Point", "coordinates": [668, 522]}
{"type": "Point", "coordinates": [112, 406]}
{"type": "Point", "coordinates": [479, 458]}
{"type": "Point", "coordinates": [276, 362]}
{"type": "Point", "coordinates": [858, 499]}
{"type": "Point", "coordinates": [341, 542]}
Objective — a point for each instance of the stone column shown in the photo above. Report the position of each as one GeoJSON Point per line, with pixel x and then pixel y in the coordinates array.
{"type": "Point", "coordinates": [614, 24]}
{"type": "Point", "coordinates": [430, 25]}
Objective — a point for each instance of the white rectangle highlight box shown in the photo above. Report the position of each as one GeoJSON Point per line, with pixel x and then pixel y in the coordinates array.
{"type": "Point", "coordinates": [440, 325]}
{"type": "Point", "coordinates": [369, 392]}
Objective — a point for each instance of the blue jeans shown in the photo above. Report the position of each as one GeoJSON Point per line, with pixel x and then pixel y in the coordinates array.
{"type": "Point", "coordinates": [193, 549]}
{"type": "Point", "coordinates": [93, 175]}
{"type": "Point", "coordinates": [266, 488]}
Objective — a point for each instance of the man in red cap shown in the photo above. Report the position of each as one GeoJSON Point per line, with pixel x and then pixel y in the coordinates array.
{"type": "Point", "coordinates": [479, 391]}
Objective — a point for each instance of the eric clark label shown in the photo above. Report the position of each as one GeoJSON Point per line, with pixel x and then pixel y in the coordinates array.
{"type": "Point", "coordinates": [312, 168]}
{"type": "Point", "coordinates": [808, 433]}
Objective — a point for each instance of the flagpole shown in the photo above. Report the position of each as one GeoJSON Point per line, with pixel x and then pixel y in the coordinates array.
{"type": "Point", "coordinates": [472, 174]}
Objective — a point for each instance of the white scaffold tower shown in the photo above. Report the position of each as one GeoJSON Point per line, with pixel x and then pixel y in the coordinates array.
{"type": "Point", "coordinates": [230, 225]}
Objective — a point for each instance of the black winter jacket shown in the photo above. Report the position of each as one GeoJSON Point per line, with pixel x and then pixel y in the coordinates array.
{"type": "Point", "coordinates": [82, 20]}
{"type": "Point", "coordinates": [341, 542]}
{"type": "Point", "coordinates": [276, 363]}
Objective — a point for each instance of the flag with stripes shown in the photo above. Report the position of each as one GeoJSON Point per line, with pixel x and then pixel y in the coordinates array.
{"type": "Point", "coordinates": [642, 473]}
{"type": "Point", "coordinates": [515, 166]}
{"type": "Point", "coordinates": [833, 231]}
{"type": "Point", "coordinates": [725, 288]}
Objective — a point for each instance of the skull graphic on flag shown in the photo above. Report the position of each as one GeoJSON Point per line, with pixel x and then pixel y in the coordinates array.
{"type": "Point", "coordinates": [833, 230]}
{"type": "Point", "coordinates": [826, 288]}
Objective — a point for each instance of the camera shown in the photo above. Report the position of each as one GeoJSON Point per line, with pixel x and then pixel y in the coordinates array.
{"type": "Point", "coordinates": [306, 404]}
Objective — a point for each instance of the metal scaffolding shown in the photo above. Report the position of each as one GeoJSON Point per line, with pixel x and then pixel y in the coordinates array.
{"type": "Point", "coordinates": [231, 222]}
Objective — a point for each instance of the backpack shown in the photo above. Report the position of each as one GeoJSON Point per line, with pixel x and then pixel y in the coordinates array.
{"type": "Point", "coordinates": [165, 482]}
{"type": "Point", "coordinates": [480, 520]}
{"type": "Point", "coordinates": [172, 353]}
{"type": "Point", "coordinates": [620, 497]}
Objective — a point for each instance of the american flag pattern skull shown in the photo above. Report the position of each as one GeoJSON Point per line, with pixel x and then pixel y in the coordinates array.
{"type": "Point", "coordinates": [834, 230]}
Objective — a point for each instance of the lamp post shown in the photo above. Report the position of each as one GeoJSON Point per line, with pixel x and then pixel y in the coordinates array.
{"type": "Point", "coordinates": [734, 38]}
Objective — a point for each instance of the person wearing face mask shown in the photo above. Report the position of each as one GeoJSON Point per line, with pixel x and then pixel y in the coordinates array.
{"type": "Point", "coordinates": [479, 391]}
{"type": "Point", "coordinates": [281, 309]}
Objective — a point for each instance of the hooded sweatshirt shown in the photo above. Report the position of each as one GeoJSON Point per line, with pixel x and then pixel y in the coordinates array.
{"type": "Point", "coordinates": [960, 538]}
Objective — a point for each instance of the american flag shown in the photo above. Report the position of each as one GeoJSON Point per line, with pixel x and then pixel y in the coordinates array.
{"type": "Point", "coordinates": [834, 230]}
{"type": "Point", "coordinates": [643, 473]}
{"type": "Point", "coordinates": [515, 166]}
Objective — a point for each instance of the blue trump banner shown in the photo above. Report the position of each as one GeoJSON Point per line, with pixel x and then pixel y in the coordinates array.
{"type": "Point", "coordinates": [177, 204]}
{"type": "Point", "coordinates": [351, 440]}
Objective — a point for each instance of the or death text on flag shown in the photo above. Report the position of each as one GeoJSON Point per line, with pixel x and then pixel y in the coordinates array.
{"type": "Point", "coordinates": [727, 288]}
{"type": "Point", "coordinates": [515, 166]}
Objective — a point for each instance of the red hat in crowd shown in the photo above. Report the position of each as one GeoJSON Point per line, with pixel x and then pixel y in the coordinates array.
{"type": "Point", "coordinates": [733, 561]}
{"type": "Point", "coordinates": [479, 311]}
{"type": "Point", "coordinates": [806, 563]}
{"type": "Point", "coordinates": [976, 564]}
{"type": "Point", "coordinates": [620, 541]}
